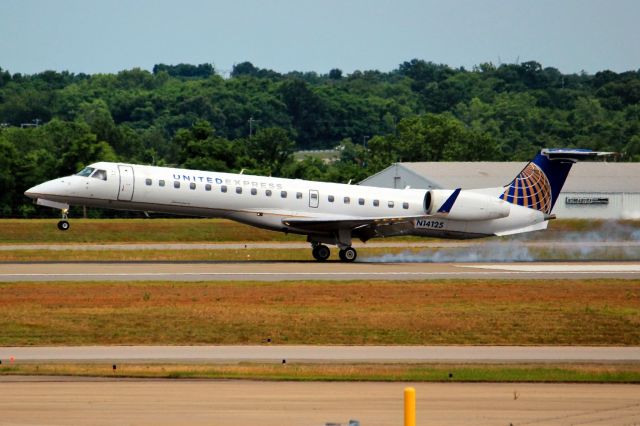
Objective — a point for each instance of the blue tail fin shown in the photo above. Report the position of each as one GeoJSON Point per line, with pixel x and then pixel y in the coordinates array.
{"type": "Point", "coordinates": [538, 185]}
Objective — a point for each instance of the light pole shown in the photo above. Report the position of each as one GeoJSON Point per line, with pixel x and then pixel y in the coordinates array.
{"type": "Point", "coordinates": [251, 121]}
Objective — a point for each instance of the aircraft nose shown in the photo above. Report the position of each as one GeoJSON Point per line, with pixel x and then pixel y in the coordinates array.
{"type": "Point", "coordinates": [46, 188]}
{"type": "Point", "coordinates": [31, 192]}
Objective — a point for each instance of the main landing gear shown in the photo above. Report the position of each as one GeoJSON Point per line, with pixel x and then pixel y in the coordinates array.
{"type": "Point", "coordinates": [63, 224]}
{"type": "Point", "coordinates": [321, 253]}
{"type": "Point", "coordinates": [348, 255]}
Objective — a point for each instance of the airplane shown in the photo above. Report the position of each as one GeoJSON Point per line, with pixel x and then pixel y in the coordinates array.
{"type": "Point", "coordinates": [327, 213]}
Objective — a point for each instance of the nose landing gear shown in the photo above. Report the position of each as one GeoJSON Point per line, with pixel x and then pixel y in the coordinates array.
{"type": "Point", "coordinates": [63, 224]}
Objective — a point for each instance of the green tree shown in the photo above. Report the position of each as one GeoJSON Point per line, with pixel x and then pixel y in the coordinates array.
{"type": "Point", "coordinates": [8, 161]}
{"type": "Point", "coordinates": [273, 148]}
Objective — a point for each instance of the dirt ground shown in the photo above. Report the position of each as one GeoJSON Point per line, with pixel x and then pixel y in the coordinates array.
{"type": "Point", "coordinates": [48, 401]}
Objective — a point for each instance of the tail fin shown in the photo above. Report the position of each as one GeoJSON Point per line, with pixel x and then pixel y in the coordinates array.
{"type": "Point", "coordinates": [538, 185]}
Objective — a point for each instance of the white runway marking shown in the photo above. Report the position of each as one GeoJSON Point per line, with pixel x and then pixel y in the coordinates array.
{"type": "Point", "coordinates": [494, 270]}
{"type": "Point", "coordinates": [564, 267]}
{"type": "Point", "coordinates": [308, 271]}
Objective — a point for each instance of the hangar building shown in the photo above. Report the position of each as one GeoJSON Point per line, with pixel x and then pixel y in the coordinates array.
{"type": "Point", "coordinates": [593, 189]}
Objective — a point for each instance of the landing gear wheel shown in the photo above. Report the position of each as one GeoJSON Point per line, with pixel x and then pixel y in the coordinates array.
{"type": "Point", "coordinates": [321, 252]}
{"type": "Point", "coordinates": [348, 254]}
{"type": "Point", "coordinates": [63, 225]}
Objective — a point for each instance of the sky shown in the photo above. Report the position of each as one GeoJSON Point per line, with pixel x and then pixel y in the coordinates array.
{"type": "Point", "coordinates": [92, 36]}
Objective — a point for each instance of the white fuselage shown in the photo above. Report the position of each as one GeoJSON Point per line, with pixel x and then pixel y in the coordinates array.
{"type": "Point", "coordinates": [269, 202]}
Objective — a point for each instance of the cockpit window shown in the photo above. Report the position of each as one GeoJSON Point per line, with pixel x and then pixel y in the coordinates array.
{"type": "Point", "coordinates": [86, 171]}
{"type": "Point", "coordinates": [100, 174]}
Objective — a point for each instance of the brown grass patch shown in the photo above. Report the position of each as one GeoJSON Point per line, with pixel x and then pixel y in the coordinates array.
{"type": "Point", "coordinates": [596, 312]}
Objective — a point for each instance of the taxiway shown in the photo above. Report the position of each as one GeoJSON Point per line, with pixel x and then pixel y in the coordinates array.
{"type": "Point", "coordinates": [55, 401]}
{"type": "Point", "coordinates": [323, 354]}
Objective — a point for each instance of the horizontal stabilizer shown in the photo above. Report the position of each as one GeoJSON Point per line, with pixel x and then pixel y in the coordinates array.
{"type": "Point", "coordinates": [574, 154]}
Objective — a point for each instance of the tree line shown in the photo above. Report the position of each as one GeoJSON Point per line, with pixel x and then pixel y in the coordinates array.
{"type": "Point", "coordinates": [54, 123]}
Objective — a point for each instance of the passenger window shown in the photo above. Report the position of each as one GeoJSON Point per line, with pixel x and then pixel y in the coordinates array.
{"type": "Point", "coordinates": [361, 201]}
{"type": "Point", "coordinates": [238, 190]}
{"type": "Point", "coordinates": [86, 172]}
{"type": "Point", "coordinates": [283, 194]}
{"type": "Point", "coordinates": [299, 195]}
{"type": "Point", "coordinates": [390, 204]}
{"type": "Point", "coordinates": [223, 188]}
{"type": "Point", "coordinates": [267, 193]}
{"type": "Point", "coordinates": [405, 205]}
{"type": "Point", "coordinates": [100, 174]}
{"type": "Point", "coordinates": [254, 191]}
{"type": "Point", "coordinates": [148, 182]}
{"type": "Point", "coordinates": [347, 200]}
{"type": "Point", "coordinates": [330, 198]}
{"type": "Point", "coordinates": [176, 184]}
{"type": "Point", "coordinates": [376, 203]}
{"type": "Point", "coordinates": [161, 182]}
{"type": "Point", "coordinates": [192, 185]}
{"type": "Point", "coordinates": [207, 187]}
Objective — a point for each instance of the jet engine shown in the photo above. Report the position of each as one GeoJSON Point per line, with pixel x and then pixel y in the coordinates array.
{"type": "Point", "coordinates": [464, 205]}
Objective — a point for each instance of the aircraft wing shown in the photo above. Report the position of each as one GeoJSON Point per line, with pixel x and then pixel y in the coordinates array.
{"type": "Point", "coordinates": [331, 224]}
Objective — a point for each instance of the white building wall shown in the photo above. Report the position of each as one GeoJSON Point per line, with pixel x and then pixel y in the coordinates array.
{"type": "Point", "coordinates": [612, 210]}
{"type": "Point", "coordinates": [620, 206]}
{"type": "Point", "coordinates": [631, 206]}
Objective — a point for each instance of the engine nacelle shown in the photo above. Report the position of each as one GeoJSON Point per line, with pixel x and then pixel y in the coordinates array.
{"type": "Point", "coordinates": [465, 206]}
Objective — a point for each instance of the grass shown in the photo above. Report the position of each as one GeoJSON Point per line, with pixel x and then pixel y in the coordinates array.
{"type": "Point", "coordinates": [561, 373]}
{"type": "Point", "coordinates": [157, 255]}
{"type": "Point", "coordinates": [33, 231]}
{"type": "Point", "coordinates": [483, 312]}
{"type": "Point", "coordinates": [325, 155]}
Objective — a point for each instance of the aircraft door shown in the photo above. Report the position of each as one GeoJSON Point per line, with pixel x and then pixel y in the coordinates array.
{"type": "Point", "coordinates": [125, 192]}
{"type": "Point", "coordinates": [314, 198]}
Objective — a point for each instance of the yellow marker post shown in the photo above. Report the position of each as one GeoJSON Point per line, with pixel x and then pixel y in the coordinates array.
{"type": "Point", "coordinates": [409, 407]}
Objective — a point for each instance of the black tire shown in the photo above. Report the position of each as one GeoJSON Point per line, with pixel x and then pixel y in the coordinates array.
{"type": "Point", "coordinates": [63, 225]}
{"type": "Point", "coordinates": [348, 255]}
{"type": "Point", "coordinates": [321, 252]}
{"type": "Point", "coordinates": [314, 253]}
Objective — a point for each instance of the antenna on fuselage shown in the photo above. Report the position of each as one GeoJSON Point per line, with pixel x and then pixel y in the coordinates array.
{"type": "Point", "coordinates": [242, 171]}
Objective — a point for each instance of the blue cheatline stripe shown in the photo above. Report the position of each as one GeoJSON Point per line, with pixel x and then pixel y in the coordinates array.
{"type": "Point", "coordinates": [446, 207]}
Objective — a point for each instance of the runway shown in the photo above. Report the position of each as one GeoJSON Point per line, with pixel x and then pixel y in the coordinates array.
{"type": "Point", "coordinates": [305, 245]}
{"type": "Point", "coordinates": [54, 401]}
{"type": "Point", "coordinates": [323, 354]}
{"type": "Point", "coordinates": [311, 270]}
